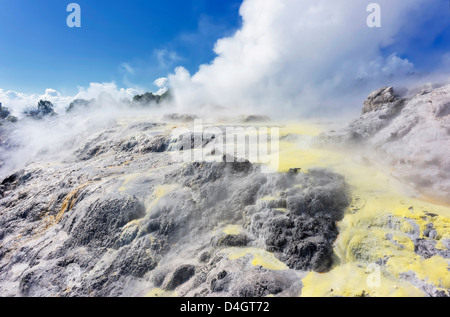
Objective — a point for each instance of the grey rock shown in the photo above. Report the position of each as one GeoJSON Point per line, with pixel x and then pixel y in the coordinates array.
{"type": "Point", "coordinates": [430, 232]}
{"type": "Point", "coordinates": [80, 105]}
{"type": "Point", "coordinates": [255, 119]}
{"type": "Point", "coordinates": [11, 119]}
{"type": "Point", "coordinates": [381, 98]}
{"type": "Point", "coordinates": [149, 99]}
{"type": "Point", "coordinates": [157, 145]}
{"type": "Point", "coordinates": [4, 112]}
{"type": "Point", "coordinates": [102, 221]}
{"type": "Point", "coordinates": [45, 108]}
{"type": "Point", "coordinates": [429, 289]}
{"type": "Point", "coordinates": [261, 288]}
{"type": "Point", "coordinates": [180, 117]}
{"type": "Point", "coordinates": [233, 240]}
{"type": "Point", "coordinates": [181, 275]}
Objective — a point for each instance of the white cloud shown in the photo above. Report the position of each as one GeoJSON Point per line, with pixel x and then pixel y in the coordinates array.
{"type": "Point", "coordinates": [160, 82]}
{"type": "Point", "coordinates": [389, 67]}
{"type": "Point", "coordinates": [446, 60]}
{"type": "Point", "coordinates": [161, 91]}
{"type": "Point", "coordinates": [126, 68]}
{"type": "Point", "coordinates": [95, 90]}
{"type": "Point", "coordinates": [306, 55]}
{"type": "Point", "coordinates": [166, 58]}
{"type": "Point", "coordinates": [52, 93]}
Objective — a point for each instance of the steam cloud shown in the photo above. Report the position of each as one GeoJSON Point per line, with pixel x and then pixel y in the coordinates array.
{"type": "Point", "coordinates": [301, 57]}
{"type": "Point", "coordinates": [289, 58]}
{"type": "Point", "coordinates": [305, 56]}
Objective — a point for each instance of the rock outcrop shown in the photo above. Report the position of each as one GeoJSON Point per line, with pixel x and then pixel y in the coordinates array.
{"type": "Point", "coordinates": [150, 99]}
{"type": "Point", "coordinates": [80, 105]}
{"type": "Point", "coordinates": [5, 115]}
{"type": "Point", "coordinates": [383, 98]}
{"type": "Point", "coordinates": [4, 112]}
{"type": "Point", "coordinates": [45, 108]}
{"type": "Point", "coordinates": [410, 134]}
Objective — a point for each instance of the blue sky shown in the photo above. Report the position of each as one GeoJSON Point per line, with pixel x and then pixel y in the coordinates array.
{"type": "Point", "coordinates": [39, 51]}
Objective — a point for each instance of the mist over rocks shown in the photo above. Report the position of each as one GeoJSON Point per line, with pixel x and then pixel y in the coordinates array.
{"type": "Point", "coordinates": [150, 99]}
{"type": "Point", "coordinates": [93, 201]}
{"type": "Point", "coordinates": [5, 115]}
{"type": "Point", "coordinates": [114, 216]}
{"type": "Point", "coordinates": [410, 134]}
{"type": "Point", "coordinates": [44, 108]}
{"type": "Point", "coordinates": [80, 104]}
{"type": "Point", "coordinates": [255, 119]}
{"type": "Point", "coordinates": [4, 112]}
{"type": "Point", "coordinates": [146, 100]}
{"type": "Point", "coordinates": [176, 117]}
{"type": "Point", "coordinates": [98, 96]}
{"type": "Point", "coordinates": [111, 214]}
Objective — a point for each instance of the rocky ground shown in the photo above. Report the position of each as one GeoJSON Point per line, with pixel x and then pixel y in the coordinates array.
{"type": "Point", "coordinates": [117, 217]}
{"type": "Point", "coordinates": [100, 208]}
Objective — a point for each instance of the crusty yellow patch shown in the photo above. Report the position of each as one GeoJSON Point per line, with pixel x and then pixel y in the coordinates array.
{"type": "Point", "coordinates": [232, 229]}
{"type": "Point", "coordinates": [378, 225]}
{"type": "Point", "coordinates": [157, 292]}
{"type": "Point", "coordinates": [353, 280]}
{"type": "Point", "coordinates": [260, 257]}
{"type": "Point", "coordinates": [159, 192]}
